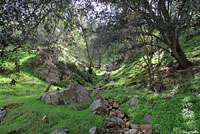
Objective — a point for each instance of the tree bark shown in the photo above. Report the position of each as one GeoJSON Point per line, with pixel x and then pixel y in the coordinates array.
{"type": "Point", "coordinates": [179, 55]}
{"type": "Point", "coordinates": [172, 41]}
{"type": "Point", "coordinates": [88, 52]}
{"type": "Point", "coordinates": [99, 64]}
{"type": "Point", "coordinates": [48, 87]}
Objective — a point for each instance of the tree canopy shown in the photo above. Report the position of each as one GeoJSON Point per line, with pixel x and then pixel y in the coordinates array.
{"type": "Point", "coordinates": [164, 20]}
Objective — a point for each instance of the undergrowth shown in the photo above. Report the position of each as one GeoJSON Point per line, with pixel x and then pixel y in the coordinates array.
{"type": "Point", "coordinates": [175, 110]}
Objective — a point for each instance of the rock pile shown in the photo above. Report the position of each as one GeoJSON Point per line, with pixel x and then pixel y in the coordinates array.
{"type": "Point", "coordinates": [116, 121]}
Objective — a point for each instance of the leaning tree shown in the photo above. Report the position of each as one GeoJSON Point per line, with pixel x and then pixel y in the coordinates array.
{"type": "Point", "coordinates": [165, 20]}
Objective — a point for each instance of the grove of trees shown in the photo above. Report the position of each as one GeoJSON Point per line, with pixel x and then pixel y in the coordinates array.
{"type": "Point", "coordinates": [95, 27]}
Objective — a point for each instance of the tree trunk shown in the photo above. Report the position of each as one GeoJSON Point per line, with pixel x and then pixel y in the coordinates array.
{"type": "Point", "coordinates": [48, 87]}
{"type": "Point", "coordinates": [88, 53]}
{"type": "Point", "coordinates": [179, 55]}
{"type": "Point", "coordinates": [99, 64]}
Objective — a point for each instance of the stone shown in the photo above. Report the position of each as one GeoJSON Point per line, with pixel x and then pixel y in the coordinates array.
{"type": "Point", "coordinates": [132, 131]}
{"type": "Point", "coordinates": [115, 105]}
{"type": "Point", "coordinates": [116, 120]}
{"type": "Point", "coordinates": [126, 129]}
{"type": "Point", "coordinates": [148, 118]}
{"type": "Point", "coordinates": [75, 93]}
{"type": "Point", "coordinates": [6, 97]}
{"type": "Point", "coordinates": [134, 126]}
{"type": "Point", "coordinates": [112, 113]}
{"type": "Point", "coordinates": [96, 113]}
{"type": "Point", "coordinates": [2, 114]}
{"type": "Point", "coordinates": [77, 108]}
{"type": "Point", "coordinates": [60, 131]}
{"type": "Point", "coordinates": [99, 106]}
{"type": "Point", "coordinates": [119, 121]}
{"type": "Point", "coordinates": [123, 100]}
{"type": "Point", "coordinates": [111, 100]}
{"type": "Point", "coordinates": [125, 119]}
{"type": "Point", "coordinates": [49, 74]}
{"type": "Point", "coordinates": [93, 130]}
{"type": "Point", "coordinates": [118, 112]}
{"type": "Point", "coordinates": [110, 124]}
{"type": "Point", "coordinates": [120, 115]}
{"type": "Point", "coordinates": [46, 65]}
{"type": "Point", "coordinates": [145, 127]}
{"type": "Point", "coordinates": [29, 91]}
{"type": "Point", "coordinates": [156, 131]}
{"type": "Point", "coordinates": [112, 67]}
{"type": "Point", "coordinates": [134, 101]}
{"type": "Point", "coordinates": [148, 132]}
{"type": "Point", "coordinates": [110, 107]}
{"type": "Point", "coordinates": [112, 86]}
{"type": "Point", "coordinates": [128, 124]}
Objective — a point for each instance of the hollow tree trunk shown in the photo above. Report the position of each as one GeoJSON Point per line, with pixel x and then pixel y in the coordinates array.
{"type": "Point", "coordinates": [179, 55]}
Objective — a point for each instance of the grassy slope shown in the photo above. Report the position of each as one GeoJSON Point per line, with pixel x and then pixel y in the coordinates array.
{"type": "Point", "coordinates": [177, 115]}
{"type": "Point", "coordinates": [27, 119]}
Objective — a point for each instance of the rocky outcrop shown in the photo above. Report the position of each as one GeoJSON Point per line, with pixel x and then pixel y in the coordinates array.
{"type": "Point", "coordinates": [50, 75]}
{"type": "Point", "coordinates": [50, 69]}
{"type": "Point", "coordinates": [75, 93]}
{"type": "Point", "coordinates": [46, 62]}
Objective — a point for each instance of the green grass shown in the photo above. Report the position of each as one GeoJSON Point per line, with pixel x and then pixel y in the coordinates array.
{"type": "Point", "coordinates": [174, 116]}
{"type": "Point", "coordinates": [176, 109]}
{"type": "Point", "coordinates": [27, 119]}
{"type": "Point", "coordinates": [192, 48]}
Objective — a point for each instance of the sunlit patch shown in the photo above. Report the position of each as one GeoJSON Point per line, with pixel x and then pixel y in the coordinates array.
{"type": "Point", "coordinates": [186, 99]}
{"type": "Point", "coordinates": [187, 114]}
{"type": "Point", "coordinates": [189, 132]}
{"type": "Point", "coordinates": [175, 90]}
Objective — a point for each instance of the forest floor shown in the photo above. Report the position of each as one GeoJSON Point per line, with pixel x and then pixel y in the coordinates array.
{"type": "Point", "coordinates": [172, 101]}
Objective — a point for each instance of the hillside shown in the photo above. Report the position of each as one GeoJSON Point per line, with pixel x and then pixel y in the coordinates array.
{"type": "Point", "coordinates": [99, 67]}
{"type": "Point", "coordinates": [172, 101]}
